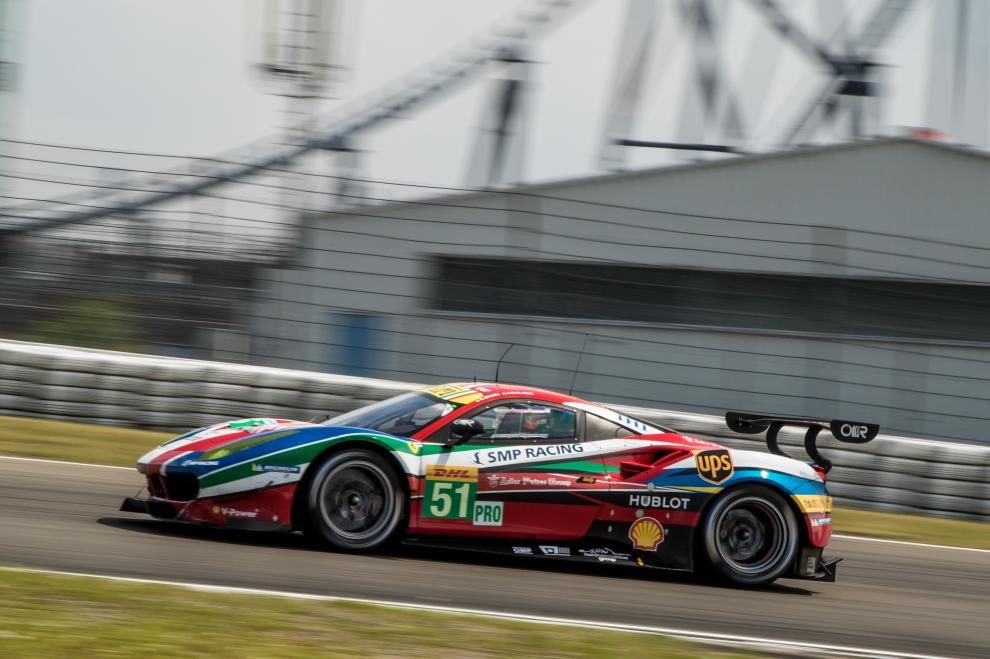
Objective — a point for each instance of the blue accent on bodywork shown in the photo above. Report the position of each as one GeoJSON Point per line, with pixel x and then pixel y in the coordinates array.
{"type": "Point", "coordinates": [812, 487]}
{"type": "Point", "coordinates": [689, 478]}
{"type": "Point", "coordinates": [280, 441]}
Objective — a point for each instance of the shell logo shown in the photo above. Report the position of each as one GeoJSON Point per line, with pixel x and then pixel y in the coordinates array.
{"type": "Point", "coordinates": [646, 533]}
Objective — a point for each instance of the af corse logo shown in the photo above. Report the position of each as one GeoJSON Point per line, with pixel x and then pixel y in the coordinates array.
{"type": "Point", "coordinates": [714, 466]}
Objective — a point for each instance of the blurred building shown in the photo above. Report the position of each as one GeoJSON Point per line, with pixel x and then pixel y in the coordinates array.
{"type": "Point", "coordinates": [845, 281]}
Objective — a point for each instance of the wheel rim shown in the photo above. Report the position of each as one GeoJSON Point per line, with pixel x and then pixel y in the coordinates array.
{"type": "Point", "coordinates": [751, 535]}
{"type": "Point", "coordinates": [357, 500]}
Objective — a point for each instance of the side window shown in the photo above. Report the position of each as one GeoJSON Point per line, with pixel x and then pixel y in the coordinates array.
{"type": "Point", "coordinates": [596, 428]}
{"type": "Point", "coordinates": [523, 420]}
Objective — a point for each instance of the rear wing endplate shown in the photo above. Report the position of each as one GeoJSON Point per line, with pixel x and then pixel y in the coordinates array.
{"type": "Point", "coordinates": [851, 432]}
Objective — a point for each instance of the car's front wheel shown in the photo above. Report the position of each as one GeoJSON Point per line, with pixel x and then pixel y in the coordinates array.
{"type": "Point", "coordinates": [749, 536]}
{"type": "Point", "coordinates": [355, 501]}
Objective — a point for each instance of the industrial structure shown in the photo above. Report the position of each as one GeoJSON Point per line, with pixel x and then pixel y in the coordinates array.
{"type": "Point", "coordinates": [846, 281]}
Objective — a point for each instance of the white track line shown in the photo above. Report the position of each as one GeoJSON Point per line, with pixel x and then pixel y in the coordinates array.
{"type": "Point", "coordinates": [906, 542]}
{"type": "Point", "coordinates": [686, 634]}
{"type": "Point", "coordinates": [64, 462]}
{"type": "Point", "coordinates": [834, 535]}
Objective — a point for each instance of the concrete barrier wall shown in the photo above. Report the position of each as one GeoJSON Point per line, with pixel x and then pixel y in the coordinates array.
{"type": "Point", "coordinates": [122, 389]}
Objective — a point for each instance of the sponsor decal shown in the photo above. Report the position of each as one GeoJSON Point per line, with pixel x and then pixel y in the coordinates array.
{"type": "Point", "coordinates": [655, 501]}
{"type": "Point", "coordinates": [200, 463]}
{"type": "Point", "coordinates": [450, 492]}
{"type": "Point", "coordinates": [250, 425]}
{"type": "Point", "coordinates": [813, 503]}
{"type": "Point", "coordinates": [234, 512]}
{"type": "Point", "coordinates": [494, 480]}
{"type": "Point", "coordinates": [246, 423]}
{"type": "Point", "coordinates": [522, 550]}
{"type": "Point", "coordinates": [853, 431]}
{"type": "Point", "coordinates": [603, 552]}
{"type": "Point", "coordinates": [488, 513]}
{"type": "Point", "coordinates": [518, 454]}
{"type": "Point", "coordinates": [607, 559]}
{"type": "Point", "coordinates": [455, 474]}
{"type": "Point", "coordinates": [646, 533]}
{"type": "Point", "coordinates": [454, 394]}
{"type": "Point", "coordinates": [554, 550]}
{"type": "Point", "coordinates": [821, 521]}
{"type": "Point", "coordinates": [586, 480]}
{"type": "Point", "coordinates": [714, 466]}
{"type": "Point", "coordinates": [279, 469]}
{"type": "Point", "coordinates": [415, 447]}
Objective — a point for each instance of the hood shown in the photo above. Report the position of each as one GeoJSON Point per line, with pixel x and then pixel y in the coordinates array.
{"type": "Point", "coordinates": [215, 442]}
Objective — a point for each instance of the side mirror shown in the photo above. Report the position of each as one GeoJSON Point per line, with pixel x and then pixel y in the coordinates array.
{"type": "Point", "coordinates": [462, 430]}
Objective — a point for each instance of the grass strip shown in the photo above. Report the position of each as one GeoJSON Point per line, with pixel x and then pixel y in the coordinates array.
{"type": "Point", "coordinates": [76, 442]}
{"type": "Point", "coordinates": [911, 528]}
{"type": "Point", "coordinates": [45, 615]}
{"type": "Point", "coordinates": [79, 442]}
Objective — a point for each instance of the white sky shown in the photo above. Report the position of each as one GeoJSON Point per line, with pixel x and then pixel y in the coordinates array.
{"type": "Point", "coordinates": [174, 77]}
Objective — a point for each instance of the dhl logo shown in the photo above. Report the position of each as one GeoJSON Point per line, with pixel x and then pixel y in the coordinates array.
{"type": "Point", "coordinates": [714, 466]}
{"type": "Point", "coordinates": [813, 503]}
{"type": "Point", "coordinates": [456, 474]}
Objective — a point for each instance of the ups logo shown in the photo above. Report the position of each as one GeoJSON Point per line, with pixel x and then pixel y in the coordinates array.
{"type": "Point", "coordinates": [714, 466]}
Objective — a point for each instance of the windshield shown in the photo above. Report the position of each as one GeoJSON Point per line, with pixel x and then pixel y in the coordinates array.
{"type": "Point", "coordinates": [401, 415]}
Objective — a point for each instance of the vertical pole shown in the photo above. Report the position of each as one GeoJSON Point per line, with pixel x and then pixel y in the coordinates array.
{"type": "Point", "coordinates": [6, 79]}
{"type": "Point", "coordinates": [635, 53]}
{"type": "Point", "coordinates": [959, 70]}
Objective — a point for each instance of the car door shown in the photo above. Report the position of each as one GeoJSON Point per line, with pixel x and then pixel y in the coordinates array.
{"type": "Point", "coordinates": [525, 475]}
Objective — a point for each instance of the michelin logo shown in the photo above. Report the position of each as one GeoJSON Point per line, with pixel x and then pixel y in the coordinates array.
{"type": "Point", "coordinates": [279, 469]}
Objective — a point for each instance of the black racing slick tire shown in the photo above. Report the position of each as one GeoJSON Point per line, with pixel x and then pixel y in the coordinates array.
{"type": "Point", "coordinates": [355, 501]}
{"type": "Point", "coordinates": [749, 536]}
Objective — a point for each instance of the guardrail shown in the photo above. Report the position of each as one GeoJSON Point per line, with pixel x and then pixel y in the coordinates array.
{"type": "Point", "coordinates": [123, 389]}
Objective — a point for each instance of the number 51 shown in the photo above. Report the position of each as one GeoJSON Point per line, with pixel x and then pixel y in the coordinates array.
{"type": "Point", "coordinates": [440, 502]}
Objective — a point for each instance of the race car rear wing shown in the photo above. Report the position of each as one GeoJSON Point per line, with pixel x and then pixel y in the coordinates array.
{"type": "Point", "coordinates": [851, 432]}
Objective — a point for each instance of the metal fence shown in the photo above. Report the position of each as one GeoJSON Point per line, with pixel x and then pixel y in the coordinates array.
{"type": "Point", "coordinates": [56, 382]}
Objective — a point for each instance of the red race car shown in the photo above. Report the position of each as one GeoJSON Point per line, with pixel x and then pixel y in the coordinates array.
{"type": "Point", "coordinates": [512, 469]}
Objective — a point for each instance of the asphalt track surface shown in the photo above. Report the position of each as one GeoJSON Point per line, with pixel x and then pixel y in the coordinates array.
{"type": "Point", "coordinates": [893, 597]}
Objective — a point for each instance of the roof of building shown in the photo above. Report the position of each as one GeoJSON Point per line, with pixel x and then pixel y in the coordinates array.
{"type": "Point", "coordinates": [811, 151]}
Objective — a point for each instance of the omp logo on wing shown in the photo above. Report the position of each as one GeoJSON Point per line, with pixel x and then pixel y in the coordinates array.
{"type": "Point", "coordinates": [714, 466]}
{"type": "Point", "coordinates": [646, 533]}
{"type": "Point", "coordinates": [455, 474]}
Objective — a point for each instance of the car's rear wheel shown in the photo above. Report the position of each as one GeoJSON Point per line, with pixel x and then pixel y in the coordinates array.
{"type": "Point", "coordinates": [749, 536]}
{"type": "Point", "coordinates": [355, 501]}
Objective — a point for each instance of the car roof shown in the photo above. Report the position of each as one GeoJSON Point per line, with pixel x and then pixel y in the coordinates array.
{"type": "Point", "coordinates": [497, 390]}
